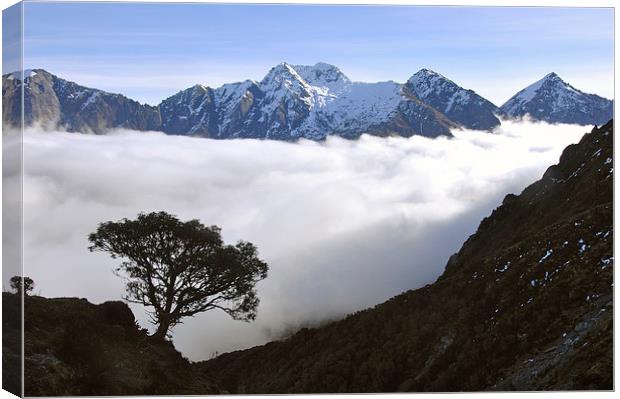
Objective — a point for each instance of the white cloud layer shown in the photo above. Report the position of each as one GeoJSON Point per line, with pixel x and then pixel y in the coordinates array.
{"type": "Point", "coordinates": [343, 224]}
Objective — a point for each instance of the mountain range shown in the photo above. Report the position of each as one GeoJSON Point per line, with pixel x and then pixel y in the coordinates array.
{"type": "Point", "coordinates": [295, 101]}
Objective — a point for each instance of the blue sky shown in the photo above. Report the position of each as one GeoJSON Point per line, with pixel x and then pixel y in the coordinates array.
{"type": "Point", "coordinates": [151, 51]}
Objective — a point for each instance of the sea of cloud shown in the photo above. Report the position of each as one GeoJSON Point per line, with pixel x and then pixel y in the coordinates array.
{"type": "Point", "coordinates": [343, 224]}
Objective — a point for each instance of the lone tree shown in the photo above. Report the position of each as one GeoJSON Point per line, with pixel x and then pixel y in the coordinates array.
{"type": "Point", "coordinates": [17, 282]}
{"type": "Point", "coordinates": [180, 268]}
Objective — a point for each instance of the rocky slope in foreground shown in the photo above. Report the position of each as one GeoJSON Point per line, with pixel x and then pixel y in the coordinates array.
{"type": "Point", "coordinates": [526, 304]}
{"type": "Point", "coordinates": [75, 348]}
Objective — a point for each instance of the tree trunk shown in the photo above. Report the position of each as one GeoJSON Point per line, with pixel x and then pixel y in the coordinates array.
{"type": "Point", "coordinates": [162, 329]}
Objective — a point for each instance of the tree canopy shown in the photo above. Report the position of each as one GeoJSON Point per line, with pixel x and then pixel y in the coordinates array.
{"type": "Point", "coordinates": [19, 282]}
{"type": "Point", "coordinates": [178, 269]}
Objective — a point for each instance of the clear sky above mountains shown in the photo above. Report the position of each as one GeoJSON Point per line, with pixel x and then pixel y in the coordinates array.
{"type": "Point", "coordinates": [151, 51]}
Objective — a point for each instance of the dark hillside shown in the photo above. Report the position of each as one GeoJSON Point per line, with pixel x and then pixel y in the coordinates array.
{"type": "Point", "coordinates": [73, 347]}
{"type": "Point", "coordinates": [526, 304]}
{"type": "Point", "coordinates": [11, 344]}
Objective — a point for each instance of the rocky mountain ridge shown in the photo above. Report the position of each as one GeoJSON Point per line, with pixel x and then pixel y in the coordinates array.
{"type": "Point", "coordinates": [290, 102]}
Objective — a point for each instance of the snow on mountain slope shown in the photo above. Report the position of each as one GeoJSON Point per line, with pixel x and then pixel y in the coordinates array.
{"type": "Point", "coordinates": [458, 104]}
{"type": "Point", "coordinates": [190, 111]}
{"type": "Point", "coordinates": [551, 99]}
{"type": "Point", "coordinates": [296, 101]}
{"type": "Point", "coordinates": [283, 82]}
{"type": "Point", "coordinates": [290, 102]}
{"type": "Point", "coordinates": [310, 101]}
{"type": "Point", "coordinates": [365, 101]}
{"type": "Point", "coordinates": [323, 75]}
{"type": "Point", "coordinates": [27, 73]}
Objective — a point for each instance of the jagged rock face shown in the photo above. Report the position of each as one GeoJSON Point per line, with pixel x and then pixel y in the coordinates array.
{"type": "Point", "coordinates": [238, 105]}
{"type": "Point", "coordinates": [51, 102]}
{"type": "Point", "coordinates": [462, 106]}
{"type": "Point", "coordinates": [286, 102]}
{"type": "Point", "coordinates": [190, 112]}
{"type": "Point", "coordinates": [85, 110]}
{"type": "Point", "coordinates": [41, 104]}
{"type": "Point", "coordinates": [526, 304]}
{"type": "Point", "coordinates": [553, 100]}
{"type": "Point", "coordinates": [11, 101]}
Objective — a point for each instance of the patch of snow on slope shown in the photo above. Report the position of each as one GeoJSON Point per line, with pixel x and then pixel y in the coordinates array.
{"type": "Point", "coordinates": [530, 91]}
{"type": "Point", "coordinates": [364, 102]}
{"type": "Point", "coordinates": [282, 83]}
{"type": "Point", "coordinates": [459, 97]}
{"type": "Point", "coordinates": [513, 105]}
{"type": "Point", "coordinates": [228, 96]}
{"type": "Point", "coordinates": [90, 100]}
{"type": "Point", "coordinates": [28, 73]}
{"type": "Point", "coordinates": [426, 81]}
{"type": "Point", "coordinates": [358, 105]}
{"type": "Point", "coordinates": [322, 75]}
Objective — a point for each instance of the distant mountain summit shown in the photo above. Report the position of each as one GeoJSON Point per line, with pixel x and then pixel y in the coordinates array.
{"type": "Point", "coordinates": [322, 75]}
{"type": "Point", "coordinates": [460, 105]}
{"type": "Point", "coordinates": [293, 102]}
{"type": "Point", "coordinates": [553, 100]}
{"type": "Point", "coordinates": [52, 102]}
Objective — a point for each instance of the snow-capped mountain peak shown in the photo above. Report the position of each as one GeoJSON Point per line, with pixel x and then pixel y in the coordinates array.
{"type": "Point", "coordinates": [427, 83]}
{"type": "Point", "coordinates": [282, 73]}
{"type": "Point", "coordinates": [323, 75]}
{"type": "Point", "coordinates": [428, 73]}
{"type": "Point", "coordinates": [284, 82]}
{"type": "Point", "coordinates": [549, 80]}
{"type": "Point", "coordinates": [313, 101]}
{"type": "Point", "coordinates": [198, 88]}
{"type": "Point", "coordinates": [530, 91]}
{"type": "Point", "coordinates": [553, 100]}
{"type": "Point", "coordinates": [459, 104]}
{"type": "Point", "coordinates": [426, 80]}
{"type": "Point", "coordinates": [231, 91]}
